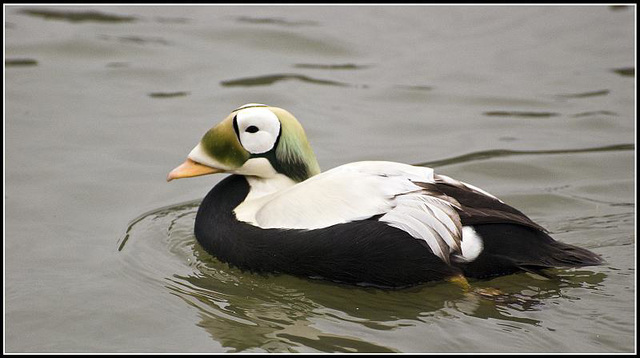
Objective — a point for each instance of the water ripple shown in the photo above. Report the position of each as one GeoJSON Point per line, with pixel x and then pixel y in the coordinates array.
{"type": "Point", "coordinates": [595, 113]}
{"type": "Point", "coordinates": [585, 94]}
{"type": "Point", "coordinates": [343, 66]}
{"type": "Point", "coordinates": [168, 94]}
{"type": "Point", "coordinates": [525, 114]}
{"type": "Point", "coordinates": [20, 62]}
{"type": "Point", "coordinates": [495, 153]}
{"type": "Point", "coordinates": [248, 312]}
{"type": "Point", "coordinates": [274, 21]}
{"type": "Point", "coordinates": [271, 79]}
{"type": "Point", "coordinates": [625, 71]}
{"type": "Point", "coordinates": [77, 16]}
{"type": "Point", "coordinates": [137, 40]}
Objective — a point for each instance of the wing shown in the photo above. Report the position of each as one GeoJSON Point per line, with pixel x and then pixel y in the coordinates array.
{"type": "Point", "coordinates": [359, 191]}
{"type": "Point", "coordinates": [476, 206]}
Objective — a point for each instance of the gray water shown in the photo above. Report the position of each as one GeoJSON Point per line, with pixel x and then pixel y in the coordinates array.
{"type": "Point", "coordinates": [534, 104]}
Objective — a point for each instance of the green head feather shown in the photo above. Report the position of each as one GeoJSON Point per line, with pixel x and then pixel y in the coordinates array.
{"type": "Point", "coordinates": [294, 156]}
{"type": "Point", "coordinates": [221, 143]}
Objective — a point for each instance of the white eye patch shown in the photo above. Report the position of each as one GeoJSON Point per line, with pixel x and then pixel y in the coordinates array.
{"type": "Point", "coordinates": [258, 129]}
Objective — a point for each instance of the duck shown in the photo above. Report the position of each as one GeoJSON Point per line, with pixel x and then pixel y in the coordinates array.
{"type": "Point", "coordinates": [372, 223]}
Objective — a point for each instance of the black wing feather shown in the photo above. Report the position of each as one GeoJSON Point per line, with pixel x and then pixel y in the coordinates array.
{"type": "Point", "coordinates": [475, 207]}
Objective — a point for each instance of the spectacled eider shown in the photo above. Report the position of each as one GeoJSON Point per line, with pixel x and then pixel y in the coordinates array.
{"type": "Point", "coordinates": [377, 223]}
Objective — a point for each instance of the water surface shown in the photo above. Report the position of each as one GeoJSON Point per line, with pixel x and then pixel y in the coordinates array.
{"type": "Point", "coordinates": [534, 104]}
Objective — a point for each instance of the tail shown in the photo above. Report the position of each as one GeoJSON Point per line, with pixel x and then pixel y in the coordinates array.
{"type": "Point", "coordinates": [559, 254]}
{"type": "Point", "coordinates": [510, 248]}
{"type": "Point", "coordinates": [565, 255]}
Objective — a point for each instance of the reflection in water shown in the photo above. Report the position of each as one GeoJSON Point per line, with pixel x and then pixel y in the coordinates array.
{"type": "Point", "coordinates": [487, 154]}
{"type": "Point", "coordinates": [626, 71]}
{"type": "Point", "coordinates": [271, 79]}
{"type": "Point", "coordinates": [595, 113]}
{"type": "Point", "coordinates": [585, 94]}
{"type": "Point", "coordinates": [19, 62]}
{"type": "Point", "coordinates": [344, 66]}
{"type": "Point", "coordinates": [417, 87]}
{"type": "Point", "coordinates": [168, 94]}
{"type": "Point", "coordinates": [521, 114]}
{"type": "Point", "coordinates": [282, 41]}
{"type": "Point", "coordinates": [274, 21]}
{"type": "Point", "coordinates": [137, 40]}
{"type": "Point", "coordinates": [77, 16]}
{"type": "Point", "coordinates": [618, 7]}
{"type": "Point", "coordinates": [281, 313]}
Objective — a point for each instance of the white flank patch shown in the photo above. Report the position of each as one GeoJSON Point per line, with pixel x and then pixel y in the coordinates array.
{"type": "Point", "coordinates": [471, 244]}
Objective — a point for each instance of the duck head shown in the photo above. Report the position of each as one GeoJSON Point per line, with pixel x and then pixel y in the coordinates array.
{"type": "Point", "coordinates": [254, 140]}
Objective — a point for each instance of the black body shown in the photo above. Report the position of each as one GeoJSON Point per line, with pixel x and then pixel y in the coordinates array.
{"type": "Point", "coordinates": [369, 251]}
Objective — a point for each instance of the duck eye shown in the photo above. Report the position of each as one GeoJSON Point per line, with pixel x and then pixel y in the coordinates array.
{"type": "Point", "coordinates": [251, 129]}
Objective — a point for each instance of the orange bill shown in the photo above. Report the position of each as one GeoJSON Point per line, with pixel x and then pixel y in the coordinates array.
{"type": "Point", "coordinates": [190, 169]}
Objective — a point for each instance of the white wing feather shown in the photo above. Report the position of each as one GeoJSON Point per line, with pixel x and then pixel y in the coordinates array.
{"type": "Point", "coordinates": [358, 191]}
